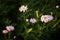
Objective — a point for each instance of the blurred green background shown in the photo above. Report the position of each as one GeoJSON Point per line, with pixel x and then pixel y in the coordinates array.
{"type": "Point", "coordinates": [10, 15]}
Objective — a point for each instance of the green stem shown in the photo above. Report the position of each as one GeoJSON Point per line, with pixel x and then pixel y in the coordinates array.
{"type": "Point", "coordinates": [37, 17]}
{"type": "Point", "coordinates": [25, 26]}
{"type": "Point", "coordinates": [25, 23]}
{"type": "Point", "coordinates": [9, 36]}
{"type": "Point", "coordinates": [44, 26]}
{"type": "Point", "coordinates": [38, 25]}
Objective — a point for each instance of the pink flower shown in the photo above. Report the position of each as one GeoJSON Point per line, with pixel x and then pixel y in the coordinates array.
{"type": "Point", "coordinates": [23, 8]}
{"type": "Point", "coordinates": [46, 18]}
{"type": "Point", "coordinates": [5, 31]}
{"type": "Point", "coordinates": [10, 28]}
{"type": "Point", "coordinates": [33, 20]}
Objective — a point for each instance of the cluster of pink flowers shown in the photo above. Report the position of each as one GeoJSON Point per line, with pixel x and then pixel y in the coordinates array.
{"type": "Point", "coordinates": [44, 18]}
{"type": "Point", "coordinates": [8, 29]}
{"type": "Point", "coordinates": [32, 20]}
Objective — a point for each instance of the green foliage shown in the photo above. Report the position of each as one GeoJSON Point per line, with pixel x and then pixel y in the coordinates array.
{"type": "Point", "coordinates": [10, 15]}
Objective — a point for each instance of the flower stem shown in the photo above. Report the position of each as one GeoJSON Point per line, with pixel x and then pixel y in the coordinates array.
{"type": "Point", "coordinates": [37, 17]}
{"type": "Point", "coordinates": [9, 36]}
{"type": "Point", "coordinates": [44, 25]}
{"type": "Point", "coordinates": [25, 26]}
